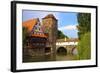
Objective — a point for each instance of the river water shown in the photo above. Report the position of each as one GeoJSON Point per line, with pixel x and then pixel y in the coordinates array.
{"type": "Point", "coordinates": [49, 58]}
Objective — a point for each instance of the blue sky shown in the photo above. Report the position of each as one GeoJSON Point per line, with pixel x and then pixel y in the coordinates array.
{"type": "Point", "coordinates": [67, 21]}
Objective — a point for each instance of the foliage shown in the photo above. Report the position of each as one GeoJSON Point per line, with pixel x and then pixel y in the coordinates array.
{"type": "Point", "coordinates": [24, 34]}
{"type": "Point", "coordinates": [84, 21]}
{"type": "Point", "coordinates": [61, 35]}
{"type": "Point", "coordinates": [84, 46]}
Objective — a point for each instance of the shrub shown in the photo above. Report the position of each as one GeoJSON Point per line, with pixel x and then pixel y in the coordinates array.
{"type": "Point", "coordinates": [84, 47]}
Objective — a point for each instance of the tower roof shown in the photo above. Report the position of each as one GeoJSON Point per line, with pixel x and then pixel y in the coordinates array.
{"type": "Point", "coordinates": [50, 16]}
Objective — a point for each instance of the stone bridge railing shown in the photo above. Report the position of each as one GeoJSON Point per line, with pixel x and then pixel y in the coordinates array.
{"type": "Point", "coordinates": [69, 46]}
{"type": "Point", "coordinates": [66, 43]}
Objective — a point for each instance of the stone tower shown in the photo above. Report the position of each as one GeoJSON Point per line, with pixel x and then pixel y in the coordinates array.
{"type": "Point", "coordinates": [50, 28]}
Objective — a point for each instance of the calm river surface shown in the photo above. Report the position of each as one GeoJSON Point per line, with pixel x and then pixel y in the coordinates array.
{"type": "Point", "coordinates": [49, 58]}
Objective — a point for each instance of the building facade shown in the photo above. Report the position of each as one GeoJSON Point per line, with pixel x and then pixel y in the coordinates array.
{"type": "Point", "coordinates": [35, 42]}
{"type": "Point", "coordinates": [41, 39]}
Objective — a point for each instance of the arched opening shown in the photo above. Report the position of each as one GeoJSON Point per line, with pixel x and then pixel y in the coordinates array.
{"type": "Point", "coordinates": [47, 49]}
{"type": "Point", "coordinates": [61, 51]}
{"type": "Point", "coordinates": [74, 51]}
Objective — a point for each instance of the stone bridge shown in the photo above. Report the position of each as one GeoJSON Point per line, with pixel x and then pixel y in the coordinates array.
{"type": "Point", "coordinates": [68, 44]}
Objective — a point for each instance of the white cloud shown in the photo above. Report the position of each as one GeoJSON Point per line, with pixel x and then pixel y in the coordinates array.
{"type": "Point", "coordinates": [68, 27]}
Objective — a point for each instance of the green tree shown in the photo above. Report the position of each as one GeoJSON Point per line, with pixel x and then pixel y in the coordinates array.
{"type": "Point", "coordinates": [24, 35]}
{"type": "Point", "coordinates": [84, 21]}
{"type": "Point", "coordinates": [84, 34]}
{"type": "Point", "coordinates": [61, 35]}
{"type": "Point", "coordinates": [84, 47]}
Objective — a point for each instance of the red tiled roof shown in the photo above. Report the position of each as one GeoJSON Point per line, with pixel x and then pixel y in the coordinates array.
{"type": "Point", "coordinates": [29, 24]}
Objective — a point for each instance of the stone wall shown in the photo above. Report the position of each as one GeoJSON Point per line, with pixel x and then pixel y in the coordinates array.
{"type": "Point", "coordinates": [50, 24]}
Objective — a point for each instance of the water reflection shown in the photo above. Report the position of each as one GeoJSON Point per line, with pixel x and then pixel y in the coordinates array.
{"type": "Point", "coordinates": [49, 58]}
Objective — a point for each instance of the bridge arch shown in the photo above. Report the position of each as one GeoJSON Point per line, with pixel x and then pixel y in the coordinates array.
{"type": "Point", "coordinates": [61, 50]}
